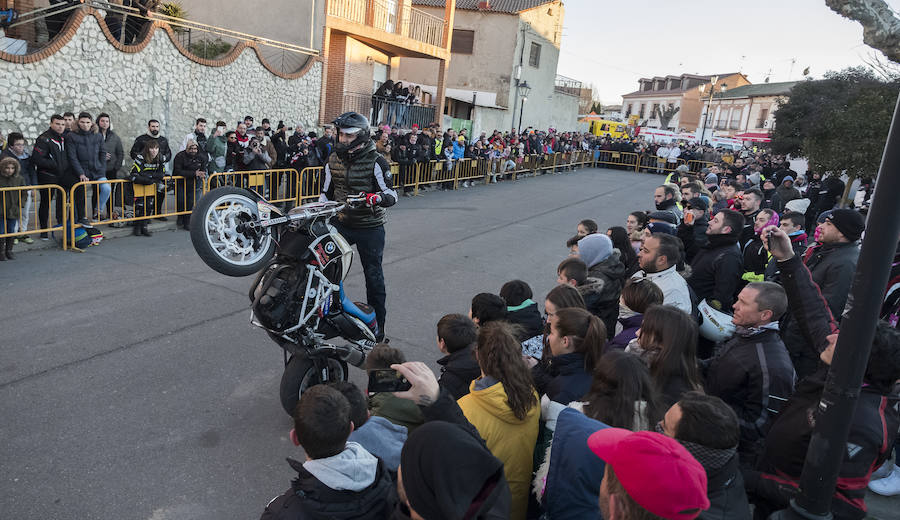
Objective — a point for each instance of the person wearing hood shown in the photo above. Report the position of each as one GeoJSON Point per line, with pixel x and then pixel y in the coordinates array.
{"type": "Point", "coordinates": [711, 181]}
{"type": "Point", "coordinates": [87, 157]}
{"type": "Point", "coordinates": [446, 470]}
{"type": "Point", "coordinates": [338, 479]}
{"type": "Point", "coordinates": [753, 372]}
{"type": "Point", "coordinates": [785, 193]}
{"type": "Point", "coordinates": [606, 276]}
{"type": "Point", "coordinates": [377, 435]}
{"type": "Point", "coordinates": [504, 407]}
{"type": "Point", "coordinates": [708, 429]}
{"type": "Point", "coordinates": [10, 210]}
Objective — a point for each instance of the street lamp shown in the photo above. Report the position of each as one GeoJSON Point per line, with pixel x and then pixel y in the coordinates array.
{"type": "Point", "coordinates": [524, 89]}
{"type": "Point", "coordinates": [712, 88]}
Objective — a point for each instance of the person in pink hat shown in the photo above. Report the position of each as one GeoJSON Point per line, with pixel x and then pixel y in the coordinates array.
{"type": "Point", "coordinates": [648, 476]}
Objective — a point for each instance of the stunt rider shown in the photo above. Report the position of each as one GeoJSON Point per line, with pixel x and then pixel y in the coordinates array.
{"type": "Point", "coordinates": [355, 167]}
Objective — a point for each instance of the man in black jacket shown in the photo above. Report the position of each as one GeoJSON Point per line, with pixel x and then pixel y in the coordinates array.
{"type": "Point", "coordinates": [708, 429]}
{"type": "Point", "coordinates": [356, 167]}
{"type": "Point", "coordinates": [873, 426]}
{"type": "Point", "coordinates": [165, 154]}
{"type": "Point", "coordinates": [832, 265]}
{"type": "Point", "coordinates": [665, 200]}
{"type": "Point", "coordinates": [753, 372]}
{"type": "Point", "coordinates": [52, 165]}
{"type": "Point", "coordinates": [87, 157]}
{"type": "Point", "coordinates": [750, 204]}
{"type": "Point", "coordinates": [338, 479]}
{"type": "Point", "coordinates": [456, 336]}
{"type": "Point", "coordinates": [716, 269]}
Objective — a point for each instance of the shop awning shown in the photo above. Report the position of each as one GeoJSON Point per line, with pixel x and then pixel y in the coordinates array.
{"type": "Point", "coordinates": [759, 137]}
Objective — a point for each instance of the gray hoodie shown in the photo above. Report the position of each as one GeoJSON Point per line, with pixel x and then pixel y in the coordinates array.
{"type": "Point", "coordinates": [353, 469]}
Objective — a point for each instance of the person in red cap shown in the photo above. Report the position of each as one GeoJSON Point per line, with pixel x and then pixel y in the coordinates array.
{"type": "Point", "coordinates": [648, 476]}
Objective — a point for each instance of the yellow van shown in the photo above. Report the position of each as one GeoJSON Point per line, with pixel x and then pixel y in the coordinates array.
{"type": "Point", "coordinates": [607, 128]}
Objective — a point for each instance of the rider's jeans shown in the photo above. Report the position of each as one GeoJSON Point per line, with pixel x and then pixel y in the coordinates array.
{"type": "Point", "coordinates": [370, 244]}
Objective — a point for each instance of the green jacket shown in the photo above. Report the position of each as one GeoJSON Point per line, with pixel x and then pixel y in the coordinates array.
{"type": "Point", "coordinates": [216, 147]}
{"type": "Point", "coordinates": [12, 199]}
{"type": "Point", "coordinates": [402, 412]}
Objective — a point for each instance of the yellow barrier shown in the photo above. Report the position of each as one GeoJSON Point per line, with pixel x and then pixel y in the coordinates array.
{"type": "Point", "coordinates": [629, 160]}
{"type": "Point", "coordinates": [697, 165]}
{"type": "Point", "coordinates": [312, 179]}
{"type": "Point", "coordinates": [277, 186]}
{"type": "Point", "coordinates": [20, 195]}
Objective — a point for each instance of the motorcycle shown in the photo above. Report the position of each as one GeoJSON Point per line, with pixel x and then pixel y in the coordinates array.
{"type": "Point", "coordinates": [298, 296]}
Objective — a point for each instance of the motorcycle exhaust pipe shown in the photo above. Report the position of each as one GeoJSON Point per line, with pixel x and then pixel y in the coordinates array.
{"type": "Point", "coordinates": [352, 355]}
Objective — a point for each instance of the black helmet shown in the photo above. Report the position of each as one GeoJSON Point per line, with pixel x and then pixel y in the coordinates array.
{"type": "Point", "coordinates": [351, 122]}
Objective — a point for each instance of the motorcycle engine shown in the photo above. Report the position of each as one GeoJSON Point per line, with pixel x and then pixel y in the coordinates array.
{"type": "Point", "coordinates": [277, 296]}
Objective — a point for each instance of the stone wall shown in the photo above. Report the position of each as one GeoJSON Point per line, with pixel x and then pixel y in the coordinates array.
{"type": "Point", "coordinates": [83, 70]}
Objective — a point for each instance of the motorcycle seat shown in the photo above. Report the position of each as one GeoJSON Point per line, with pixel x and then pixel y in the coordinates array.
{"type": "Point", "coordinates": [367, 316]}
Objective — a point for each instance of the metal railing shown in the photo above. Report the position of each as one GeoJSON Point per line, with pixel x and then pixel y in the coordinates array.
{"type": "Point", "coordinates": [566, 85]}
{"type": "Point", "coordinates": [424, 27]}
{"type": "Point", "coordinates": [391, 17]}
{"type": "Point", "coordinates": [33, 30]}
{"type": "Point", "coordinates": [175, 196]}
{"type": "Point", "coordinates": [382, 110]}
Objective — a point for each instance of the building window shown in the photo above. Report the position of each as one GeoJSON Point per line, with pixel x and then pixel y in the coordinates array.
{"type": "Point", "coordinates": [643, 110]}
{"type": "Point", "coordinates": [653, 111]}
{"type": "Point", "coordinates": [629, 109]}
{"type": "Point", "coordinates": [463, 41]}
{"type": "Point", "coordinates": [534, 57]}
{"type": "Point", "coordinates": [763, 116]}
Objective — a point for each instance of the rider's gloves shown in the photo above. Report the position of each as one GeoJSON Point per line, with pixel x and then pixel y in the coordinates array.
{"type": "Point", "coordinates": [373, 199]}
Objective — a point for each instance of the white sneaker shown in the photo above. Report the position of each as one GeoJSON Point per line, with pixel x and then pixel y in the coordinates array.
{"type": "Point", "coordinates": [884, 470]}
{"type": "Point", "coordinates": [888, 486]}
{"type": "Point", "coordinates": [465, 184]}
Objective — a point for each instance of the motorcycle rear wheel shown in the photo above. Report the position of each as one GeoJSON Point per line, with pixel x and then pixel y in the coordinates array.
{"type": "Point", "coordinates": [215, 236]}
{"type": "Point", "coordinates": [300, 373]}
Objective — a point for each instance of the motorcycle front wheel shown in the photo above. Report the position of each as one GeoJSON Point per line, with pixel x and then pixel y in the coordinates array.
{"type": "Point", "coordinates": [301, 373]}
{"type": "Point", "coordinates": [220, 237]}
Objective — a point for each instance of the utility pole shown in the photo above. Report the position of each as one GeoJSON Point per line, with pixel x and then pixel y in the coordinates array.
{"type": "Point", "coordinates": [827, 446]}
{"type": "Point", "coordinates": [712, 88]}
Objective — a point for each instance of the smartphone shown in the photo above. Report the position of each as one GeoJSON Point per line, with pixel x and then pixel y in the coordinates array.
{"type": "Point", "coordinates": [688, 217]}
{"type": "Point", "coordinates": [387, 380]}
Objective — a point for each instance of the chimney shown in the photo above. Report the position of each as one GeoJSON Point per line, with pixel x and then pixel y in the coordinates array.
{"type": "Point", "coordinates": [484, 5]}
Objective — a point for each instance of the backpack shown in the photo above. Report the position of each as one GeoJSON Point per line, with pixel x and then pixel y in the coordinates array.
{"type": "Point", "coordinates": [85, 236]}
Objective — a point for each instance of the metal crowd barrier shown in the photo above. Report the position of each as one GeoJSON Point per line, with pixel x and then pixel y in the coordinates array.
{"type": "Point", "coordinates": [129, 202]}
{"type": "Point", "coordinates": [27, 198]}
{"type": "Point", "coordinates": [697, 165]}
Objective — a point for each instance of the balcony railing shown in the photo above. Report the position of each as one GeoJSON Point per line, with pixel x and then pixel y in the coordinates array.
{"type": "Point", "coordinates": [568, 86]}
{"type": "Point", "coordinates": [384, 111]}
{"type": "Point", "coordinates": [413, 23]}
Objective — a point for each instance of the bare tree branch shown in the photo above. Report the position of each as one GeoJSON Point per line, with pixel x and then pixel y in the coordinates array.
{"type": "Point", "coordinates": [881, 28]}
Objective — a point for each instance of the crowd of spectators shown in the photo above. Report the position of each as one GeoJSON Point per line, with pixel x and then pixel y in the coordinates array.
{"type": "Point", "coordinates": [618, 399]}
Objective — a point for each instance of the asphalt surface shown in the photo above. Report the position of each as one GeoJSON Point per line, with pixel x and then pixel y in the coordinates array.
{"type": "Point", "coordinates": [132, 385]}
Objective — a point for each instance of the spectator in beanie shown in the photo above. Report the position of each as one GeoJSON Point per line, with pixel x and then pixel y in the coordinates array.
{"type": "Point", "coordinates": [832, 265]}
{"type": "Point", "coordinates": [606, 276]}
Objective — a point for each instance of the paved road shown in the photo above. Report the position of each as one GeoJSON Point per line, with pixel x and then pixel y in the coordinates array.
{"type": "Point", "coordinates": [133, 387]}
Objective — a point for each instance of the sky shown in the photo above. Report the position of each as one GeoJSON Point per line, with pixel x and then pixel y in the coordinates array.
{"type": "Point", "coordinates": [611, 44]}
